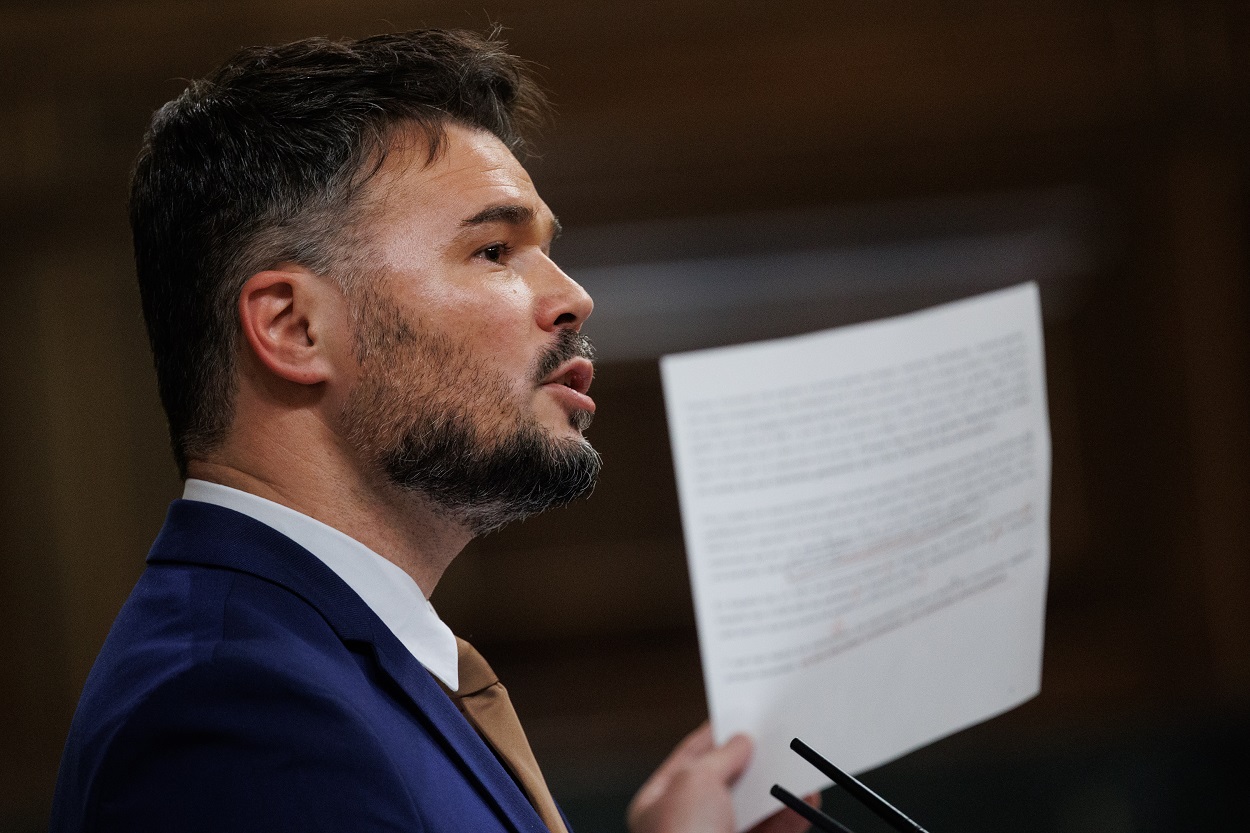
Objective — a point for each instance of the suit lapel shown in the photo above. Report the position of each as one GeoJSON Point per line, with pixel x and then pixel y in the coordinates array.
{"type": "Point", "coordinates": [201, 533]}
{"type": "Point", "coordinates": [460, 739]}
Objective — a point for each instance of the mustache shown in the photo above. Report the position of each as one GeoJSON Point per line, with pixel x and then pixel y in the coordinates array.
{"type": "Point", "coordinates": [569, 345]}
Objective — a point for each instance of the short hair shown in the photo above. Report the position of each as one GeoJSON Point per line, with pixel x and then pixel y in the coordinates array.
{"type": "Point", "coordinates": [263, 162]}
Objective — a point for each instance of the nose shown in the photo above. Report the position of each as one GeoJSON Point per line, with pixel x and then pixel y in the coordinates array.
{"type": "Point", "coordinates": [563, 303]}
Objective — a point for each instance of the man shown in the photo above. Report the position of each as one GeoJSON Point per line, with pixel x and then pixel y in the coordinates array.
{"type": "Point", "coordinates": [367, 357]}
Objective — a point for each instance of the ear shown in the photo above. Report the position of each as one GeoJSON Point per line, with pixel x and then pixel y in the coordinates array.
{"type": "Point", "coordinates": [289, 317]}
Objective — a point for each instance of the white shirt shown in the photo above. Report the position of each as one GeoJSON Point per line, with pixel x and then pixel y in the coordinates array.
{"type": "Point", "coordinates": [384, 586]}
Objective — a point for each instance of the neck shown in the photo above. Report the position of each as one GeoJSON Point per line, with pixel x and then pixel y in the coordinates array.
{"type": "Point", "coordinates": [401, 526]}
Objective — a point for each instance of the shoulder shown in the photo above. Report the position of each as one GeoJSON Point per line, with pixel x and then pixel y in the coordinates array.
{"type": "Point", "coordinates": [228, 700]}
{"type": "Point", "coordinates": [189, 620]}
{"type": "Point", "coordinates": [241, 689]}
{"type": "Point", "coordinates": [235, 743]}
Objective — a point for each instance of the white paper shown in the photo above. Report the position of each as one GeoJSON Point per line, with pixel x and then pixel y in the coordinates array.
{"type": "Point", "coordinates": [866, 518]}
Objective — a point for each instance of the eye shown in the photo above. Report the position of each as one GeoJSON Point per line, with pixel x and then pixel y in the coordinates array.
{"type": "Point", "coordinates": [495, 252]}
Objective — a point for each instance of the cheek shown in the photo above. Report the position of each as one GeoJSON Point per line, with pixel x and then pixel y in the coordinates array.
{"type": "Point", "coordinates": [490, 316]}
{"type": "Point", "coordinates": [501, 320]}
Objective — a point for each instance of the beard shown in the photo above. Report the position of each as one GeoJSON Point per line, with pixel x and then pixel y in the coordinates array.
{"type": "Point", "coordinates": [435, 420]}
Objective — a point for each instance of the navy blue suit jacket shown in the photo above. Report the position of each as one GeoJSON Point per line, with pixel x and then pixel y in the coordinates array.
{"type": "Point", "coordinates": [245, 687]}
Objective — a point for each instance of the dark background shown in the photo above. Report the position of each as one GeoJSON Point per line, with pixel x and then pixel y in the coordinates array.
{"type": "Point", "coordinates": [690, 130]}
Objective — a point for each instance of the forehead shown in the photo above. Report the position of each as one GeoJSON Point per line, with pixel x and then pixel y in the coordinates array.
{"type": "Point", "coordinates": [473, 171]}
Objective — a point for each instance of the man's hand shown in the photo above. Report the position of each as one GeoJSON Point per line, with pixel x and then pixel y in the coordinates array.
{"type": "Point", "coordinates": [689, 793]}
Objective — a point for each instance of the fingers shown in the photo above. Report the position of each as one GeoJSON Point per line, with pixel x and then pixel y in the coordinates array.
{"type": "Point", "coordinates": [727, 762]}
{"type": "Point", "coordinates": [695, 744]}
{"type": "Point", "coordinates": [690, 790]}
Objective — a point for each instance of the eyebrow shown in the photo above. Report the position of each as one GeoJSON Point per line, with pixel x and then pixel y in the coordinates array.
{"type": "Point", "coordinates": [513, 215]}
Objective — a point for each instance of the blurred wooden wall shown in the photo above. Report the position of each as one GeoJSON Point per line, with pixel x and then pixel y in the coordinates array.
{"type": "Point", "coordinates": [667, 110]}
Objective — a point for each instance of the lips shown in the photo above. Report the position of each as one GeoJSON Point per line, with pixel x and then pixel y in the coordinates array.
{"type": "Point", "coordinates": [565, 372]}
{"type": "Point", "coordinates": [576, 373]}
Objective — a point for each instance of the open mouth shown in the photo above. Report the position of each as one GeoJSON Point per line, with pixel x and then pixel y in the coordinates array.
{"type": "Point", "coordinates": [576, 373]}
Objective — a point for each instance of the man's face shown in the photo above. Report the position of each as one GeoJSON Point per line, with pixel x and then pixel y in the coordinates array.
{"type": "Point", "coordinates": [472, 370]}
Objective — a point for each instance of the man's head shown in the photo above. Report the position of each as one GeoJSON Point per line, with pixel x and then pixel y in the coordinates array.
{"type": "Point", "coordinates": [264, 161]}
{"type": "Point", "coordinates": [297, 155]}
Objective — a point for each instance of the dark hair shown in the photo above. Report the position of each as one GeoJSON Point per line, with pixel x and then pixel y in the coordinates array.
{"type": "Point", "coordinates": [262, 162]}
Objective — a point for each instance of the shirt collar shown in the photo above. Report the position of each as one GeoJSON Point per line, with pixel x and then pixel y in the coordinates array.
{"type": "Point", "coordinates": [388, 591]}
